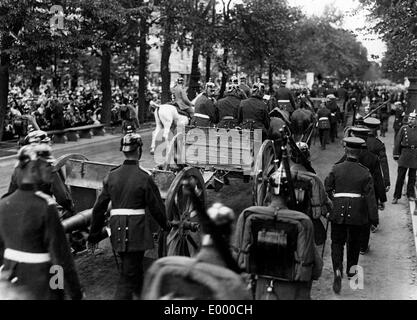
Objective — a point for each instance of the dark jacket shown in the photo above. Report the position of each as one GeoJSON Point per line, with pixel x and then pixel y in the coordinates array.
{"type": "Point", "coordinates": [29, 223]}
{"type": "Point", "coordinates": [377, 147]}
{"type": "Point", "coordinates": [228, 107]}
{"type": "Point", "coordinates": [205, 105]}
{"type": "Point", "coordinates": [129, 187]}
{"type": "Point", "coordinates": [284, 93]}
{"type": "Point", "coordinates": [352, 177]}
{"type": "Point", "coordinates": [254, 109]}
{"type": "Point", "coordinates": [371, 161]}
{"type": "Point", "coordinates": [405, 147]}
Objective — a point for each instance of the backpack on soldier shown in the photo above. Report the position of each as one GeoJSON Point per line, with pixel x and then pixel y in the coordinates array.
{"type": "Point", "coordinates": [185, 278]}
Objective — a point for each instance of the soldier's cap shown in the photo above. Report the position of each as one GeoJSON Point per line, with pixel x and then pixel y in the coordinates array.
{"type": "Point", "coordinates": [372, 122]}
{"type": "Point", "coordinates": [130, 142]}
{"type": "Point", "coordinates": [220, 214]}
{"type": "Point", "coordinates": [331, 96]}
{"type": "Point", "coordinates": [33, 152]}
{"type": "Point", "coordinates": [354, 142]}
{"type": "Point", "coordinates": [283, 80]}
{"type": "Point", "coordinates": [362, 130]}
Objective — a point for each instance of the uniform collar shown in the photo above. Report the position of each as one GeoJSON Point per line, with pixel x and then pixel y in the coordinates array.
{"type": "Point", "coordinates": [27, 187]}
{"type": "Point", "coordinates": [131, 162]}
{"type": "Point", "coordinates": [352, 159]}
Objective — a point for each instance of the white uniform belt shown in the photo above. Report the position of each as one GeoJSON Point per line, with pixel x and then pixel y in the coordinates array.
{"type": "Point", "coordinates": [283, 101]}
{"type": "Point", "coordinates": [323, 118]}
{"type": "Point", "coordinates": [127, 212]}
{"type": "Point", "coordinates": [26, 257]}
{"type": "Point", "coordinates": [347, 195]}
{"type": "Point", "coordinates": [200, 115]}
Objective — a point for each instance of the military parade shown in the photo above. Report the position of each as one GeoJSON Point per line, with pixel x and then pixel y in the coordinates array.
{"type": "Point", "coordinates": [254, 182]}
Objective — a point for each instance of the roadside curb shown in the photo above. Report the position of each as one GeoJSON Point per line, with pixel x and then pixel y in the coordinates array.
{"type": "Point", "coordinates": [84, 142]}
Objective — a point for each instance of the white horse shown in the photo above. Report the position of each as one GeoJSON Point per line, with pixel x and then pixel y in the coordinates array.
{"type": "Point", "coordinates": [166, 115]}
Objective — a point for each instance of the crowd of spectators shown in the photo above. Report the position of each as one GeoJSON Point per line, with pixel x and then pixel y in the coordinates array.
{"type": "Point", "coordinates": [47, 110]}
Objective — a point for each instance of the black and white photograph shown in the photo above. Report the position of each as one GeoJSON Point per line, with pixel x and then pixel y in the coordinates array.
{"type": "Point", "coordinates": [213, 150]}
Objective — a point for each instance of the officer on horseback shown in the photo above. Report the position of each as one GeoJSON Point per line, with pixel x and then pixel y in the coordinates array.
{"type": "Point", "coordinates": [253, 112]}
{"type": "Point", "coordinates": [181, 99]}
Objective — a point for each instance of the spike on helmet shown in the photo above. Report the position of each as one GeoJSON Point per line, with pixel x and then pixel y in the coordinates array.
{"type": "Point", "coordinates": [130, 142]}
{"type": "Point", "coordinates": [258, 90]}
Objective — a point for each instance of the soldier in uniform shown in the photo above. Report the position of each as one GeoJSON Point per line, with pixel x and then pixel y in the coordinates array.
{"type": "Point", "coordinates": [377, 147]}
{"type": "Point", "coordinates": [205, 113]}
{"type": "Point", "coordinates": [405, 151]}
{"type": "Point", "coordinates": [228, 107]}
{"type": "Point", "coordinates": [350, 186]}
{"type": "Point", "coordinates": [131, 190]}
{"type": "Point", "coordinates": [371, 161]}
{"type": "Point", "coordinates": [253, 112]}
{"type": "Point", "coordinates": [244, 86]}
{"type": "Point", "coordinates": [32, 239]}
{"type": "Point", "coordinates": [285, 97]}
{"type": "Point", "coordinates": [181, 98]}
{"type": "Point", "coordinates": [323, 123]}
{"type": "Point", "coordinates": [399, 114]}
{"type": "Point", "coordinates": [334, 114]}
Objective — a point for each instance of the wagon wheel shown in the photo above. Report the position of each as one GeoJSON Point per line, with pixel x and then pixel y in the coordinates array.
{"type": "Point", "coordinates": [181, 212]}
{"type": "Point", "coordinates": [264, 166]}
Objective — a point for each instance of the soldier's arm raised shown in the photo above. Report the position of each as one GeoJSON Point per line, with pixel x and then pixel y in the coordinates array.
{"type": "Point", "coordinates": [98, 215]}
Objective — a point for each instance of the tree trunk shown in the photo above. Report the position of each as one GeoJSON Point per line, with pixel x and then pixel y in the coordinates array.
{"type": "Point", "coordinates": [195, 74]}
{"type": "Point", "coordinates": [270, 78]}
{"type": "Point", "coordinates": [106, 85]}
{"type": "Point", "coordinates": [225, 73]}
{"type": "Point", "coordinates": [143, 59]}
{"type": "Point", "coordinates": [4, 89]}
{"type": "Point", "coordinates": [165, 72]}
{"type": "Point", "coordinates": [208, 66]}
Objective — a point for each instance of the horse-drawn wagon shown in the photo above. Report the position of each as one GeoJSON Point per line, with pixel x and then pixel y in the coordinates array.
{"type": "Point", "coordinates": [207, 156]}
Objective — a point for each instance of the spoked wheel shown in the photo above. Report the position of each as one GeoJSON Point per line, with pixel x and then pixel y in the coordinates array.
{"type": "Point", "coordinates": [184, 238]}
{"type": "Point", "coordinates": [264, 167]}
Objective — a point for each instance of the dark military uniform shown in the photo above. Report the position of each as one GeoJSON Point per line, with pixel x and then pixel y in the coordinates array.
{"type": "Point", "coordinates": [227, 110]}
{"type": "Point", "coordinates": [377, 147]}
{"type": "Point", "coordinates": [334, 113]}
{"type": "Point", "coordinates": [350, 186]}
{"type": "Point", "coordinates": [245, 88]}
{"type": "Point", "coordinates": [205, 113]}
{"type": "Point", "coordinates": [405, 151]}
{"type": "Point", "coordinates": [131, 190]}
{"type": "Point", "coordinates": [323, 116]}
{"type": "Point", "coordinates": [32, 240]}
{"type": "Point", "coordinates": [285, 99]}
{"type": "Point", "coordinates": [253, 114]}
{"type": "Point", "coordinates": [398, 121]}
